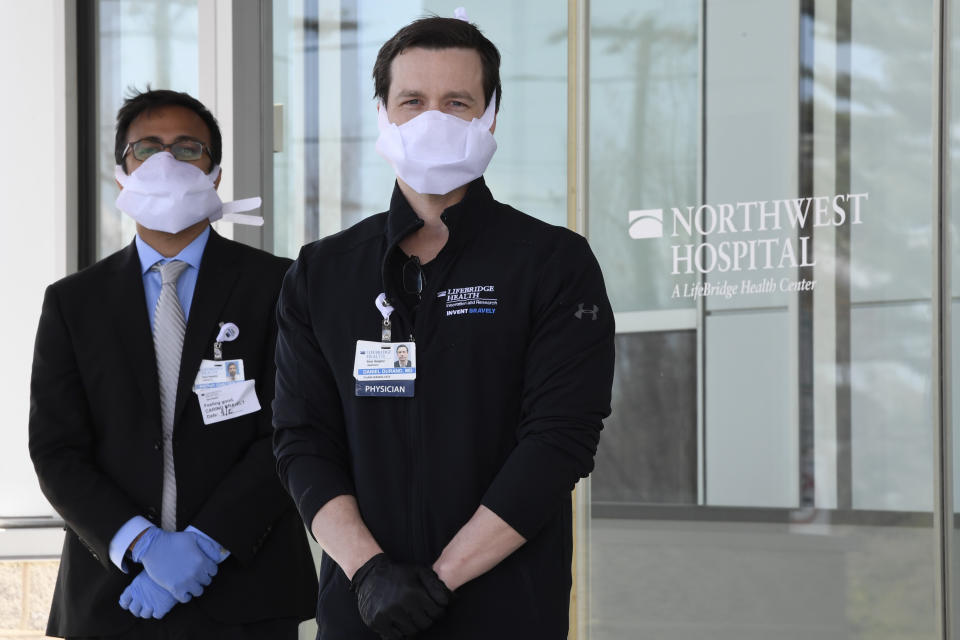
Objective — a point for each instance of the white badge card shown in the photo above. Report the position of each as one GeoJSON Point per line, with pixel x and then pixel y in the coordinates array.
{"type": "Point", "coordinates": [228, 401]}
{"type": "Point", "coordinates": [386, 369]}
{"type": "Point", "coordinates": [216, 373]}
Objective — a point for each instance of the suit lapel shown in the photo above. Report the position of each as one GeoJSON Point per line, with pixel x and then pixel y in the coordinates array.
{"type": "Point", "coordinates": [133, 327]}
{"type": "Point", "coordinates": [219, 270]}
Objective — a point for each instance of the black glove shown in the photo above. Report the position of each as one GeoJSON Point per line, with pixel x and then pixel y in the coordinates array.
{"type": "Point", "coordinates": [398, 600]}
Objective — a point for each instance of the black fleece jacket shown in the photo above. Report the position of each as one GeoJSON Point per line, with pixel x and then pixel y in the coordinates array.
{"type": "Point", "coordinates": [512, 386]}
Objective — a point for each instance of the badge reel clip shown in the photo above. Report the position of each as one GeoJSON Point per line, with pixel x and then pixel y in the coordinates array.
{"type": "Point", "coordinates": [228, 333]}
{"type": "Point", "coordinates": [383, 306]}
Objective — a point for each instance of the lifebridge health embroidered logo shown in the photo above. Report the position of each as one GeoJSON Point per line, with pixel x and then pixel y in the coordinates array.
{"type": "Point", "coordinates": [723, 250]}
{"type": "Point", "coordinates": [462, 301]}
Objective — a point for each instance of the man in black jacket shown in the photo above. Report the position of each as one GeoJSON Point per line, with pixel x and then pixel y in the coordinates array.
{"type": "Point", "coordinates": [176, 524]}
{"type": "Point", "coordinates": [456, 478]}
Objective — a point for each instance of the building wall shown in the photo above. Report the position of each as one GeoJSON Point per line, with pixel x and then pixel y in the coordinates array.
{"type": "Point", "coordinates": [35, 243]}
{"type": "Point", "coordinates": [26, 587]}
{"type": "Point", "coordinates": [36, 248]}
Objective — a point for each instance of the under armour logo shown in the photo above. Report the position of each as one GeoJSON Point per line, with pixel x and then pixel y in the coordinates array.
{"type": "Point", "coordinates": [580, 312]}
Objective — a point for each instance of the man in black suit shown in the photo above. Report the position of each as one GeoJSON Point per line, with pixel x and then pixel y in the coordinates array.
{"type": "Point", "coordinates": [176, 523]}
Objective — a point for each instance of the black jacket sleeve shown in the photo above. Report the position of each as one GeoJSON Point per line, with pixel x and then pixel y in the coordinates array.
{"type": "Point", "coordinates": [309, 441]}
{"type": "Point", "coordinates": [62, 441]}
{"type": "Point", "coordinates": [566, 390]}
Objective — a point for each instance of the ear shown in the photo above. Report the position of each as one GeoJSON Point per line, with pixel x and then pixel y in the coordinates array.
{"type": "Point", "coordinates": [118, 184]}
{"type": "Point", "coordinates": [216, 183]}
{"type": "Point", "coordinates": [493, 127]}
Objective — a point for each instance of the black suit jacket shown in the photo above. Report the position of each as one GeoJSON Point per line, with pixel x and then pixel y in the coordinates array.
{"type": "Point", "coordinates": [95, 440]}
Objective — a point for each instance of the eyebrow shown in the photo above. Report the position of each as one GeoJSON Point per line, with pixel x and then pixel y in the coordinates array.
{"type": "Point", "coordinates": [456, 95]}
{"type": "Point", "coordinates": [179, 138]}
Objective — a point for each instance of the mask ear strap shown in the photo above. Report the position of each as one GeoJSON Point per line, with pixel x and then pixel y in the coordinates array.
{"type": "Point", "coordinates": [230, 211]}
{"type": "Point", "coordinates": [239, 218]}
{"type": "Point", "coordinates": [491, 111]}
{"type": "Point", "coordinates": [382, 118]}
{"type": "Point", "coordinates": [120, 175]}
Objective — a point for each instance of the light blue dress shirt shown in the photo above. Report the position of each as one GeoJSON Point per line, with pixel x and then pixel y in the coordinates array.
{"type": "Point", "coordinates": [186, 283]}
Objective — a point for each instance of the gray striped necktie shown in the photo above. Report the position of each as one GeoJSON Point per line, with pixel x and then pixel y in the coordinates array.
{"type": "Point", "coordinates": [169, 325]}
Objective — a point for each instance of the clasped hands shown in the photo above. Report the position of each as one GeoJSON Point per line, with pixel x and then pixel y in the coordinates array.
{"type": "Point", "coordinates": [177, 566]}
{"type": "Point", "coordinates": [398, 600]}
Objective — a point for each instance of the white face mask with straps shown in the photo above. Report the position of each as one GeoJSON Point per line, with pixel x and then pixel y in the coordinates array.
{"type": "Point", "coordinates": [165, 194]}
{"type": "Point", "coordinates": [437, 152]}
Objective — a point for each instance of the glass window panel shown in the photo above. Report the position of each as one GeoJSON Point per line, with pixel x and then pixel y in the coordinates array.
{"type": "Point", "coordinates": [139, 43]}
{"type": "Point", "coordinates": [648, 450]}
{"type": "Point", "coordinates": [890, 143]}
{"type": "Point", "coordinates": [751, 104]}
{"type": "Point", "coordinates": [892, 440]}
{"type": "Point", "coordinates": [756, 581]}
{"type": "Point", "coordinates": [815, 443]}
{"type": "Point", "coordinates": [294, 41]}
{"type": "Point", "coordinates": [644, 123]}
{"type": "Point", "coordinates": [750, 430]}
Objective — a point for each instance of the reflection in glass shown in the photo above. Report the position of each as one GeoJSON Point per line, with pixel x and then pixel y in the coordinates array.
{"type": "Point", "coordinates": [648, 452]}
{"type": "Point", "coordinates": [892, 438]}
{"type": "Point", "coordinates": [644, 123]}
{"type": "Point", "coordinates": [140, 43]}
{"type": "Point", "coordinates": [805, 410]}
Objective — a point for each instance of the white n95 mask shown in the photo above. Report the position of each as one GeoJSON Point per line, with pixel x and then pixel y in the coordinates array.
{"type": "Point", "coordinates": [165, 194]}
{"type": "Point", "coordinates": [437, 152]}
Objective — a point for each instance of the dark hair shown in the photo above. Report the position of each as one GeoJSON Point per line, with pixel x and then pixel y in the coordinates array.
{"type": "Point", "coordinates": [141, 102]}
{"type": "Point", "coordinates": [439, 33]}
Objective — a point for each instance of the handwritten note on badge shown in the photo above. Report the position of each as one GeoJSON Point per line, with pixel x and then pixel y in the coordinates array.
{"type": "Point", "coordinates": [228, 401]}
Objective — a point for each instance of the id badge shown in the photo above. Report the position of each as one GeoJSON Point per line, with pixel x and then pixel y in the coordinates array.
{"type": "Point", "coordinates": [223, 391]}
{"type": "Point", "coordinates": [385, 369]}
{"type": "Point", "coordinates": [217, 373]}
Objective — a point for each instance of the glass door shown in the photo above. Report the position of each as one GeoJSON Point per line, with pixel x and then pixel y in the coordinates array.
{"type": "Point", "coordinates": [760, 185]}
{"type": "Point", "coordinates": [760, 199]}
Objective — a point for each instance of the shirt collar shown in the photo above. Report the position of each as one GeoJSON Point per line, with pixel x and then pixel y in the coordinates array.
{"type": "Point", "coordinates": [403, 220]}
{"type": "Point", "coordinates": [191, 254]}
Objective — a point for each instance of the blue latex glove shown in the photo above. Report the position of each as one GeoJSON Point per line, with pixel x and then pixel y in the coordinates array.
{"type": "Point", "coordinates": [144, 598]}
{"type": "Point", "coordinates": [210, 547]}
{"type": "Point", "coordinates": [175, 561]}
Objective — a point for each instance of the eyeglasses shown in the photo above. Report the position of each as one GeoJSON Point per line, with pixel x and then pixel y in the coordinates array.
{"type": "Point", "coordinates": [412, 276]}
{"type": "Point", "coordinates": [183, 150]}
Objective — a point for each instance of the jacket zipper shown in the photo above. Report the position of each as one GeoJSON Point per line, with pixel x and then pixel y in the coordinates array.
{"type": "Point", "coordinates": [417, 514]}
{"type": "Point", "coordinates": [413, 440]}
{"type": "Point", "coordinates": [419, 524]}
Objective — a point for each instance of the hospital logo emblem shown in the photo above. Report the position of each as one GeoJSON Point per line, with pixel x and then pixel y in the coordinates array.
{"type": "Point", "coordinates": [646, 223]}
